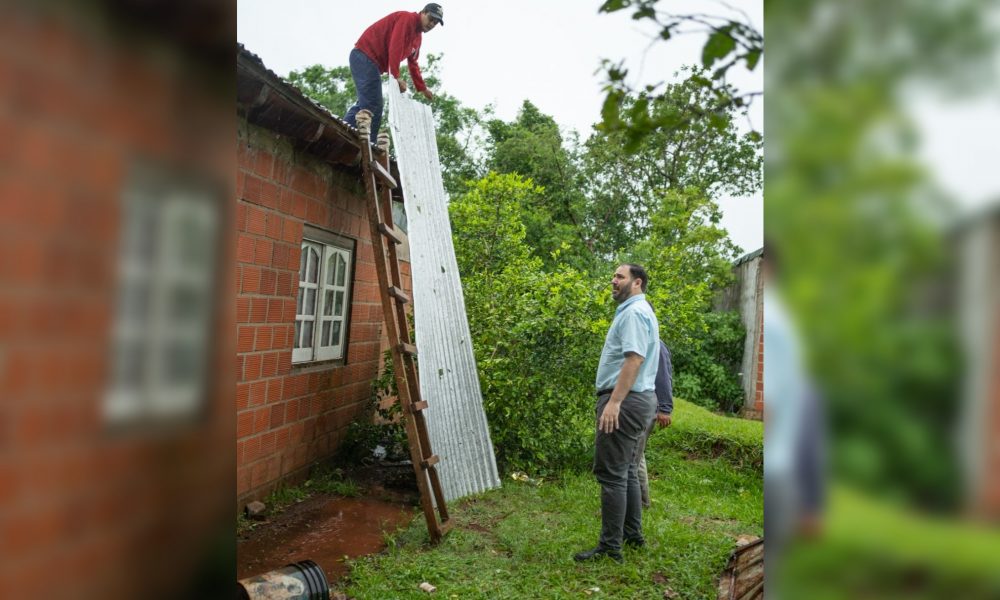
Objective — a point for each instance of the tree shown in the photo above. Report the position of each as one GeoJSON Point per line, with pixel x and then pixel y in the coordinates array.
{"type": "Point", "coordinates": [706, 153]}
{"type": "Point", "coordinates": [331, 87]}
{"type": "Point", "coordinates": [731, 41]}
{"type": "Point", "coordinates": [532, 146]}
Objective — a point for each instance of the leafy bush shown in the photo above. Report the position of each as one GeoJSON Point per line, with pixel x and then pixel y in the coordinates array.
{"type": "Point", "coordinates": [707, 371]}
{"type": "Point", "coordinates": [380, 426]}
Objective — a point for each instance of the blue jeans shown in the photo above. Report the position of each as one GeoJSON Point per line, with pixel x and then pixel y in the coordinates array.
{"type": "Point", "coordinates": [368, 80]}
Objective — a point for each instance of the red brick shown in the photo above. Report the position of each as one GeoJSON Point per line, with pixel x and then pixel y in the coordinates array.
{"type": "Point", "coordinates": [244, 338]}
{"type": "Point", "coordinates": [284, 286]}
{"type": "Point", "coordinates": [260, 419]}
{"type": "Point", "coordinates": [251, 367]}
{"type": "Point", "coordinates": [244, 249]}
{"type": "Point", "coordinates": [280, 256]}
{"type": "Point", "coordinates": [316, 212]}
{"type": "Point", "coordinates": [242, 396]}
{"type": "Point", "coordinates": [285, 360]}
{"type": "Point", "coordinates": [285, 197]}
{"type": "Point", "coordinates": [263, 250]}
{"type": "Point", "coordinates": [251, 449]}
{"type": "Point", "coordinates": [244, 424]}
{"type": "Point", "coordinates": [299, 206]}
{"type": "Point", "coordinates": [289, 312]}
{"type": "Point", "coordinates": [243, 310]}
{"type": "Point", "coordinates": [281, 439]}
{"type": "Point", "coordinates": [268, 194]}
{"type": "Point", "coordinates": [251, 280]}
{"type": "Point", "coordinates": [242, 480]}
{"type": "Point", "coordinates": [258, 310]}
{"type": "Point", "coordinates": [262, 163]}
{"type": "Point", "coordinates": [294, 256]}
{"type": "Point", "coordinates": [274, 390]}
{"type": "Point", "coordinates": [241, 214]}
{"type": "Point", "coordinates": [263, 340]}
{"type": "Point", "coordinates": [291, 411]}
{"type": "Point", "coordinates": [275, 226]}
{"type": "Point", "coordinates": [269, 365]}
{"type": "Point", "coordinates": [292, 232]}
{"type": "Point", "coordinates": [251, 189]}
{"type": "Point", "coordinates": [268, 282]}
{"type": "Point", "coordinates": [258, 393]}
{"type": "Point", "coordinates": [277, 415]}
{"type": "Point", "coordinates": [275, 308]}
{"type": "Point", "coordinates": [256, 221]}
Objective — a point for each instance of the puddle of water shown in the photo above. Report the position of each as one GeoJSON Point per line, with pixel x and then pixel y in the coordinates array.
{"type": "Point", "coordinates": [321, 529]}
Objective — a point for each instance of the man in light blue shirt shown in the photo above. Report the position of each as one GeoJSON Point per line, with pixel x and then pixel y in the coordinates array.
{"type": "Point", "coordinates": [626, 403]}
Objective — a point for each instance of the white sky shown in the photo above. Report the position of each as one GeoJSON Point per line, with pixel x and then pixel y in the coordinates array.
{"type": "Point", "coordinates": [501, 53]}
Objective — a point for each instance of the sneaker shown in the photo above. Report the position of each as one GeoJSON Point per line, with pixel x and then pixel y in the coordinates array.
{"type": "Point", "coordinates": [596, 554]}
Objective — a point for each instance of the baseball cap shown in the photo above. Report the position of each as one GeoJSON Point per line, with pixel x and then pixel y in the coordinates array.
{"type": "Point", "coordinates": [435, 11]}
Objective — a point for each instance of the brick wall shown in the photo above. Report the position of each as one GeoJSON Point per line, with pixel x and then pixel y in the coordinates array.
{"type": "Point", "coordinates": [289, 417]}
{"type": "Point", "coordinates": [87, 511]}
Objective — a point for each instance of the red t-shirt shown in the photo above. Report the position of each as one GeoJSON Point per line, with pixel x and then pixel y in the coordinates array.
{"type": "Point", "coordinates": [391, 39]}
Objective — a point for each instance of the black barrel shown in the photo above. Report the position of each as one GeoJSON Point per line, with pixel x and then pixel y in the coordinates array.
{"type": "Point", "coordinates": [303, 580]}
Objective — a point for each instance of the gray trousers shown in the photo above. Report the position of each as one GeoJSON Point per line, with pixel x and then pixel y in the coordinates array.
{"type": "Point", "coordinates": [640, 452]}
{"type": "Point", "coordinates": [616, 469]}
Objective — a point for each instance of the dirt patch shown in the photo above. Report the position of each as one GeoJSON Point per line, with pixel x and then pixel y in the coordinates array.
{"type": "Point", "coordinates": [326, 528]}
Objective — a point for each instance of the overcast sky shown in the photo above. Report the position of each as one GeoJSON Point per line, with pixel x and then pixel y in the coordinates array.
{"type": "Point", "coordinates": [501, 53]}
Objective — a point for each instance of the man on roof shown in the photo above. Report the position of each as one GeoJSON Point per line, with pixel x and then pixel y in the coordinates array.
{"type": "Point", "coordinates": [380, 49]}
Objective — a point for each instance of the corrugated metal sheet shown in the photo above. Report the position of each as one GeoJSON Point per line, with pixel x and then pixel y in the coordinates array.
{"type": "Point", "coordinates": [456, 422]}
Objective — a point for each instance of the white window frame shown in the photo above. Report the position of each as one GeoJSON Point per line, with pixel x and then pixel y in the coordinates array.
{"type": "Point", "coordinates": [332, 285]}
{"type": "Point", "coordinates": [165, 305]}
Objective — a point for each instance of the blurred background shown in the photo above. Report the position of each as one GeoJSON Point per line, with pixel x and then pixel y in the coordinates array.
{"type": "Point", "coordinates": [117, 462]}
{"type": "Point", "coordinates": [882, 208]}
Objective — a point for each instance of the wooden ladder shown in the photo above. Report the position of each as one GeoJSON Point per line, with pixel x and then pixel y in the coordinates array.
{"type": "Point", "coordinates": [379, 184]}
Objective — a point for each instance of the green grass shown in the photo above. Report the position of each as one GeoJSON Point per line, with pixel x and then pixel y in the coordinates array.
{"type": "Point", "coordinates": [703, 433]}
{"type": "Point", "coordinates": [518, 541]}
{"type": "Point", "coordinates": [874, 549]}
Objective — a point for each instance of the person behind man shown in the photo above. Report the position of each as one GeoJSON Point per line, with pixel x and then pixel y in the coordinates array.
{"type": "Point", "coordinates": [380, 49]}
{"type": "Point", "coordinates": [625, 405]}
{"type": "Point", "coordinates": [664, 390]}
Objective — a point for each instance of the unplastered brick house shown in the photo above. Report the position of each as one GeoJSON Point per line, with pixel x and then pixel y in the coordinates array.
{"type": "Point", "coordinates": [309, 319]}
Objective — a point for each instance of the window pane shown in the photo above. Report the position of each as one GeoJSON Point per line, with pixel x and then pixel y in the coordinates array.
{"type": "Point", "coordinates": [310, 308]}
{"type": "Point", "coordinates": [182, 362]}
{"type": "Point", "coordinates": [298, 330]}
{"type": "Point", "coordinates": [307, 334]}
{"type": "Point", "coordinates": [336, 333]}
{"type": "Point", "coordinates": [341, 269]}
{"type": "Point", "coordinates": [313, 265]}
{"type": "Point", "coordinates": [339, 305]}
{"type": "Point", "coordinates": [298, 301]}
{"type": "Point", "coordinates": [187, 303]}
{"type": "Point", "coordinates": [328, 303]}
{"type": "Point", "coordinates": [303, 259]}
{"type": "Point", "coordinates": [331, 268]}
{"type": "Point", "coordinates": [324, 339]}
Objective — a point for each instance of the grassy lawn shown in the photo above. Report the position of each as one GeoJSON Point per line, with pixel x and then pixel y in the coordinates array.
{"type": "Point", "coordinates": [518, 541]}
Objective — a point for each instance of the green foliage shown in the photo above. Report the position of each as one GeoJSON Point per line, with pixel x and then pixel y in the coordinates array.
{"type": "Point", "coordinates": [707, 371]}
{"type": "Point", "coordinates": [532, 146]}
{"type": "Point", "coordinates": [537, 335]}
{"type": "Point", "coordinates": [688, 256]}
{"type": "Point", "coordinates": [625, 188]}
{"type": "Point", "coordinates": [887, 364]}
{"type": "Point", "coordinates": [332, 87]}
{"type": "Point", "coordinates": [381, 424]}
{"type": "Point", "coordinates": [730, 42]}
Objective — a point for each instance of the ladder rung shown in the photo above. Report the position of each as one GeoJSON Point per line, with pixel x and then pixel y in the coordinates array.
{"type": "Point", "coordinates": [391, 232]}
{"type": "Point", "coordinates": [398, 294]}
{"type": "Point", "coordinates": [419, 406]}
{"type": "Point", "coordinates": [430, 461]}
{"type": "Point", "coordinates": [383, 175]}
{"type": "Point", "coordinates": [408, 349]}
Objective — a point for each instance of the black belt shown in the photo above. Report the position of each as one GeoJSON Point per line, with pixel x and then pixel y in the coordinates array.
{"type": "Point", "coordinates": [604, 391]}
